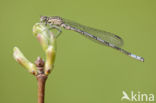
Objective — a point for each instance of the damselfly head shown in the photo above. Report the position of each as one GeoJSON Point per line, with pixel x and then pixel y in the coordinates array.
{"type": "Point", "coordinates": [43, 19]}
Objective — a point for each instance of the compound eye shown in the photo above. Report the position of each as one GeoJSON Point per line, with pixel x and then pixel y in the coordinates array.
{"type": "Point", "coordinates": [43, 18]}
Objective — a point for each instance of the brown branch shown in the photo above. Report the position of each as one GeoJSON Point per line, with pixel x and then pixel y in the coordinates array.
{"type": "Point", "coordinates": [41, 79]}
{"type": "Point", "coordinates": [41, 87]}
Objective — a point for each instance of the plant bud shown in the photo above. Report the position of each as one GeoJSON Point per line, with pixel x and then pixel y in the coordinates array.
{"type": "Point", "coordinates": [50, 58]}
{"type": "Point", "coordinates": [21, 59]}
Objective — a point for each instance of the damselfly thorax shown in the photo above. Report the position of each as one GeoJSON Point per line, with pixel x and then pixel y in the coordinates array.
{"type": "Point", "coordinates": [55, 20]}
{"type": "Point", "coordinates": [100, 36]}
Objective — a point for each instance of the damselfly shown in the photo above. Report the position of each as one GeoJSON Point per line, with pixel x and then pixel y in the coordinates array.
{"type": "Point", "coordinates": [103, 37]}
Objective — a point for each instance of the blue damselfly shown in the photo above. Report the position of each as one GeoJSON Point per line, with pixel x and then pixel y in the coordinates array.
{"type": "Point", "coordinates": [100, 36]}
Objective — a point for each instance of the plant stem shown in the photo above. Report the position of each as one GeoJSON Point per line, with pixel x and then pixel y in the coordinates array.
{"type": "Point", "coordinates": [41, 87]}
{"type": "Point", "coordinates": [41, 79]}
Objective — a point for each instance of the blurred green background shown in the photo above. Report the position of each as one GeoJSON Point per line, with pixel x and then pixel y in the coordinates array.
{"type": "Point", "coordinates": [84, 72]}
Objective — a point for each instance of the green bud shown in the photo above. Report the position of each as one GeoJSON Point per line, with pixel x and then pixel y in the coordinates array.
{"type": "Point", "coordinates": [48, 42]}
{"type": "Point", "coordinates": [21, 59]}
{"type": "Point", "coordinates": [50, 57]}
{"type": "Point", "coordinates": [44, 35]}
